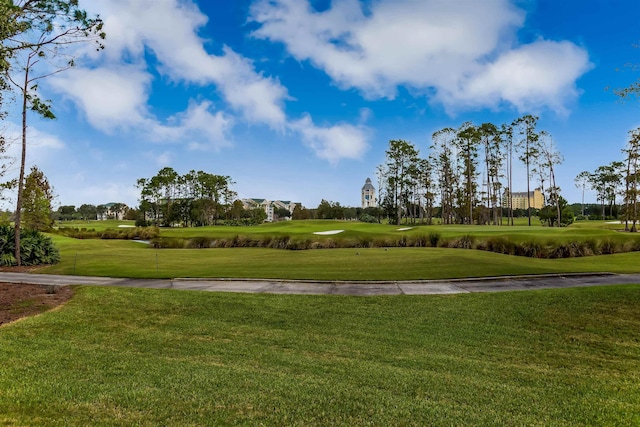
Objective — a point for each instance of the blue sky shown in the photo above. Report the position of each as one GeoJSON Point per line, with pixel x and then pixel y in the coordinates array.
{"type": "Point", "coordinates": [297, 99]}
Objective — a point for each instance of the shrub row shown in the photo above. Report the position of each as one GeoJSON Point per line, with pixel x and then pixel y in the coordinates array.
{"type": "Point", "coordinates": [532, 249]}
{"type": "Point", "coordinates": [133, 233]}
{"type": "Point", "coordinates": [551, 249]}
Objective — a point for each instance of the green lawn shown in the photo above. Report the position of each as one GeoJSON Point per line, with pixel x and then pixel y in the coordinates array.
{"type": "Point", "coordinates": [354, 230]}
{"type": "Point", "coordinates": [117, 258]}
{"type": "Point", "coordinates": [122, 357]}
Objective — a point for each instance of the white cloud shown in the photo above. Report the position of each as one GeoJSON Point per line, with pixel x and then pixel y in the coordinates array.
{"type": "Point", "coordinates": [105, 192]}
{"type": "Point", "coordinates": [115, 99]}
{"type": "Point", "coordinates": [169, 28]}
{"type": "Point", "coordinates": [447, 48]}
{"type": "Point", "coordinates": [42, 151]}
{"type": "Point", "coordinates": [114, 95]}
{"type": "Point", "coordinates": [333, 142]}
{"type": "Point", "coordinates": [40, 147]}
{"type": "Point", "coordinates": [199, 120]}
{"type": "Point", "coordinates": [161, 160]}
{"type": "Point", "coordinates": [532, 75]}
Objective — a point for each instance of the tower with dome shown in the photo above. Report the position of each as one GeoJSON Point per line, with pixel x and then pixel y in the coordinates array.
{"type": "Point", "coordinates": [368, 195]}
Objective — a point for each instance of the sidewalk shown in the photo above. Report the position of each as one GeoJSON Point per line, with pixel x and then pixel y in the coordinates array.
{"type": "Point", "coordinates": [303, 287]}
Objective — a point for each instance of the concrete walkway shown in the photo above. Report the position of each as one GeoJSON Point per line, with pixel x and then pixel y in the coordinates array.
{"type": "Point", "coordinates": [301, 287]}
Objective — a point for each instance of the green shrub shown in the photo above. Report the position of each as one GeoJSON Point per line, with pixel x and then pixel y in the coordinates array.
{"type": "Point", "coordinates": [368, 218]}
{"type": "Point", "coordinates": [141, 222]}
{"type": "Point", "coordinates": [35, 248]}
{"type": "Point", "coordinates": [7, 259]}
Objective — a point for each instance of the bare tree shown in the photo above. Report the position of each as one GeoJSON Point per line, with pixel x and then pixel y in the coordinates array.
{"type": "Point", "coordinates": [529, 149]}
{"type": "Point", "coordinates": [632, 152]}
{"type": "Point", "coordinates": [550, 157]}
{"type": "Point", "coordinates": [581, 181]}
{"type": "Point", "coordinates": [39, 33]}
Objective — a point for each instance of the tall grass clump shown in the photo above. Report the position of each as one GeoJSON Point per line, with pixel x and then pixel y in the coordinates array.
{"type": "Point", "coordinates": [531, 249]}
{"type": "Point", "coordinates": [534, 247]}
{"type": "Point", "coordinates": [168, 243]}
{"type": "Point", "coordinates": [199, 243]}
{"type": "Point", "coordinates": [279, 242]}
{"type": "Point", "coordinates": [565, 250]}
{"type": "Point", "coordinates": [500, 245]}
{"type": "Point", "coordinates": [463, 242]}
{"type": "Point", "coordinates": [135, 233]}
{"type": "Point", "coordinates": [609, 247]}
{"type": "Point", "coordinates": [420, 241]}
{"type": "Point", "coordinates": [434, 238]}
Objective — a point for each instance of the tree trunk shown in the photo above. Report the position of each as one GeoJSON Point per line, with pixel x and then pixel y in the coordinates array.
{"type": "Point", "coordinates": [626, 195]}
{"type": "Point", "coordinates": [528, 179]}
{"type": "Point", "coordinates": [635, 192]}
{"type": "Point", "coordinates": [510, 198]}
{"type": "Point", "coordinates": [23, 155]}
{"type": "Point", "coordinates": [555, 191]}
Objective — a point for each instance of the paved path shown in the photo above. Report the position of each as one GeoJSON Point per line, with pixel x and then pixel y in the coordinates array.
{"type": "Point", "coordinates": [418, 287]}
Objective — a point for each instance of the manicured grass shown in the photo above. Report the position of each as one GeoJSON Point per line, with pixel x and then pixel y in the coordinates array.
{"type": "Point", "coordinates": [358, 231]}
{"type": "Point", "coordinates": [130, 259]}
{"type": "Point", "coordinates": [124, 357]}
{"type": "Point", "coordinates": [308, 227]}
{"type": "Point", "coordinates": [96, 225]}
{"type": "Point", "coordinates": [355, 230]}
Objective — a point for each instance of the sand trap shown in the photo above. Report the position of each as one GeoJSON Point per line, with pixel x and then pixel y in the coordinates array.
{"type": "Point", "coordinates": [326, 233]}
{"type": "Point", "coordinates": [404, 229]}
{"type": "Point", "coordinates": [126, 226]}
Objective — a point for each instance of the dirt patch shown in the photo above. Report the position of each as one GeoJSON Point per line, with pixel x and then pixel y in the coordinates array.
{"type": "Point", "coordinates": [18, 300]}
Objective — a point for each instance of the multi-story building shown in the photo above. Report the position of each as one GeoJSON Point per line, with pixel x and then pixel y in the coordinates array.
{"type": "Point", "coordinates": [520, 199]}
{"type": "Point", "coordinates": [269, 206]}
{"type": "Point", "coordinates": [369, 195]}
{"type": "Point", "coordinates": [112, 211]}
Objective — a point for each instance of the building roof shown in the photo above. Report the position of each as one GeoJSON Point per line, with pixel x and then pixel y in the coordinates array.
{"type": "Point", "coordinates": [368, 186]}
{"type": "Point", "coordinates": [112, 204]}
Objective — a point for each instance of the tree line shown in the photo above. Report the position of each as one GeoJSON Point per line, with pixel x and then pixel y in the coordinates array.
{"type": "Point", "coordinates": [89, 212]}
{"type": "Point", "coordinates": [618, 178]}
{"type": "Point", "coordinates": [467, 177]}
{"type": "Point", "coordinates": [196, 198]}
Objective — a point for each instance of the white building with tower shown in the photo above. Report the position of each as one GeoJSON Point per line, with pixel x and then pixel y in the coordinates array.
{"type": "Point", "coordinates": [369, 195]}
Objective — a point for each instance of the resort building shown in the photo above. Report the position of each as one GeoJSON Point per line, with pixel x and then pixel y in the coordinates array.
{"type": "Point", "coordinates": [368, 195]}
{"type": "Point", "coordinates": [520, 199]}
{"type": "Point", "coordinates": [112, 211]}
{"type": "Point", "coordinates": [269, 206]}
